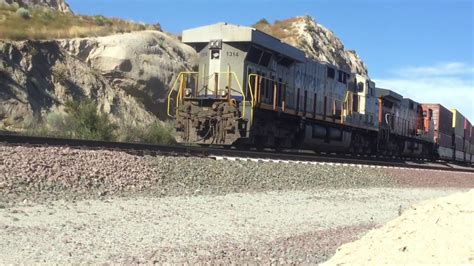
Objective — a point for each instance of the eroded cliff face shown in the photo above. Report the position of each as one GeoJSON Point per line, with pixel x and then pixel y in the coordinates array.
{"type": "Point", "coordinates": [38, 77]}
{"type": "Point", "coordinates": [59, 5]}
{"type": "Point", "coordinates": [128, 74]}
{"type": "Point", "coordinates": [142, 64]}
{"type": "Point", "coordinates": [317, 41]}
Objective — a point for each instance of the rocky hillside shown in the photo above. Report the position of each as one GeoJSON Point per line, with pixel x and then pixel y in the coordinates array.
{"type": "Point", "coordinates": [128, 74]}
{"type": "Point", "coordinates": [59, 5]}
{"type": "Point", "coordinates": [37, 77]}
{"type": "Point", "coordinates": [317, 41]}
{"type": "Point", "coordinates": [141, 64]}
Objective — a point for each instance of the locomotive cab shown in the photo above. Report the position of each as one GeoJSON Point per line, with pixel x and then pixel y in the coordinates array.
{"type": "Point", "coordinates": [215, 104]}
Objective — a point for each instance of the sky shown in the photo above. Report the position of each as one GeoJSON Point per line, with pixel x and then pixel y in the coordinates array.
{"type": "Point", "coordinates": [423, 49]}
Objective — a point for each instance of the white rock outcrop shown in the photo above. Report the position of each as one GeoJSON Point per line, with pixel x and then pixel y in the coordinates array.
{"type": "Point", "coordinates": [59, 5]}
{"type": "Point", "coordinates": [37, 77]}
{"type": "Point", "coordinates": [143, 64]}
{"type": "Point", "coordinates": [317, 41]}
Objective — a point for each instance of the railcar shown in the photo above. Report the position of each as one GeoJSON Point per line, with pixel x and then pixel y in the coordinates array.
{"type": "Point", "coordinates": [442, 119]}
{"type": "Point", "coordinates": [253, 90]}
{"type": "Point", "coordinates": [472, 145]}
{"type": "Point", "coordinates": [458, 142]}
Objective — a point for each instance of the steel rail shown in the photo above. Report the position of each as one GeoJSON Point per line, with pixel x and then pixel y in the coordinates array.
{"type": "Point", "coordinates": [198, 151]}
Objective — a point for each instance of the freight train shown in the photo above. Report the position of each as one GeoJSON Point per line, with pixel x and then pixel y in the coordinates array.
{"type": "Point", "coordinates": [252, 90]}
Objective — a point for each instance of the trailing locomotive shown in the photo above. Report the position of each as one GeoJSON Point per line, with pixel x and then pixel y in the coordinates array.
{"type": "Point", "coordinates": [253, 90]}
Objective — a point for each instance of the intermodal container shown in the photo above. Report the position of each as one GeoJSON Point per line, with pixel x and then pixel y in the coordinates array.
{"type": "Point", "coordinates": [472, 141]}
{"type": "Point", "coordinates": [472, 135]}
{"type": "Point", "coordinates": [443, 123]}
{"type": "Point", "coordinates": [458, 123]}
{"type": "Point", "coordinates": [467, 129]}
{"type": "Point", "coordinates": [442, 117]}
{"type": "Point", "coordinates": [467, 136]}
{"type": "Point", "coordinates": [459, 143]}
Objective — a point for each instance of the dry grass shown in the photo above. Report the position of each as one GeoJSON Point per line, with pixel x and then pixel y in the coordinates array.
{"type": "Point", "coordinates": [280, 29]}
{"type": "Point", "coordinates": [44, 24]}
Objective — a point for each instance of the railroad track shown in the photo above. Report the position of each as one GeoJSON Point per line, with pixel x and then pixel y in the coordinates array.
{"type": "Point", "coordinates": [232, 154]}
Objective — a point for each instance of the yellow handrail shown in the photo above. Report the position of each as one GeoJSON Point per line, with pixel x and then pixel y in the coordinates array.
{"type": "Point", "coordinates": [242, 92]}
{"type": "Point", "coordinates": [181, 77]}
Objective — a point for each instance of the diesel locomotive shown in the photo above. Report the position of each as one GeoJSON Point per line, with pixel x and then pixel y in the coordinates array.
{"type": "Point", "coordinates": [252, 90]}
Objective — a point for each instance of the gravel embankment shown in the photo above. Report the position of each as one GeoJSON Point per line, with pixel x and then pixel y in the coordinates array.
{"type": "Point", "coordinates": [264, 227]}
{"type": "Point", "coordinates": [430, 179]}
{"type": "Point", "coordinates": [50, 173]}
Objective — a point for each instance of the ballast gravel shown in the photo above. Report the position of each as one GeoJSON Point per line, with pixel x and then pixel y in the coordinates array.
{"type": "Point", "coordinates": [51, 173]}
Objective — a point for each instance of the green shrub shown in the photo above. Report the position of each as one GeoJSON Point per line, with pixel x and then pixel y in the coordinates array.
{"type": "Point", "coordinates": [156, 133]}
{"type": "Point", "coordinates": [23, 12]}
{"type": "Point", "coordinates": [14, 6]}
{"type": "Point", "coordinates": [47, 16]}
{"type": "Point", "coordinates": [159, 134]}
{"type": "Point", "coordinates": [103, 21]}
{"type": "Point", "coordinates": [83, 121]}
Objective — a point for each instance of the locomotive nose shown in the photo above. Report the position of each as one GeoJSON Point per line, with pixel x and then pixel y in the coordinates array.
{"type": "Point", "coordinates": [217, 123]}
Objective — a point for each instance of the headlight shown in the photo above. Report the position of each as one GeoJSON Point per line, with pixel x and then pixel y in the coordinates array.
{"type": "Point", "coordinates": [187, 92]}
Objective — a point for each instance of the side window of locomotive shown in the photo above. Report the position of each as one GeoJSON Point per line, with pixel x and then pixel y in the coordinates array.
{"type": "Point", "coordinates": [340, 76]}
{"type": "Point", "coordinates": [345, 76]}
{"type": "Point", "coordinates": [331, 73]}
{"type": "Point", "coordinates": [265, 60]}
{"type": "Point", "coordinates": [254, 55]}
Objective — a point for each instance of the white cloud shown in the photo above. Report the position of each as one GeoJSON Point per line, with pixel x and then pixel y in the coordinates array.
{"type": "Point", "coordinates": [451, 84]}
{"type": "Point", "coordinates": [440, 69]}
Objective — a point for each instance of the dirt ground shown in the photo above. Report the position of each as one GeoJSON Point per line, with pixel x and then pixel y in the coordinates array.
{"type": "Point", "coordinates": [436, 232]}
{"type": "Point", "coordinates": [266, 227]}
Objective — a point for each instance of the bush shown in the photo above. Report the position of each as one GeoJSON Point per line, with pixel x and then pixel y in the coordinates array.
{"type": "Point", "coordinates": [103, 21]}
{"type": "Point", "coordinates": [156, 133]}
{"type": "Point", "coordinates": [23, 12]}
{"type": "Point", "coordinates": [47, 16]}
{"type": "Point", "coordinates": [83, 121]}
{"type": "Point", "coordinates": [15, 6]}
{"type": "Point", "coordinates": [80, 120]}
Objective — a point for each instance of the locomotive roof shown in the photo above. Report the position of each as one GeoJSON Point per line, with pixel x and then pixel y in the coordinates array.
{"type": "Point", "coordinates": [388, 94]}
{"type": "Point", "coordinates": [234, 33]}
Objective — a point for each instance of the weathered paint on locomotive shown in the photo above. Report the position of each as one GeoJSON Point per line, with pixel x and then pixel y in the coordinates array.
{"type": "Point", "coordinates": [252, 89]}
{"type": "Point", "coordinates": [276, 77]}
